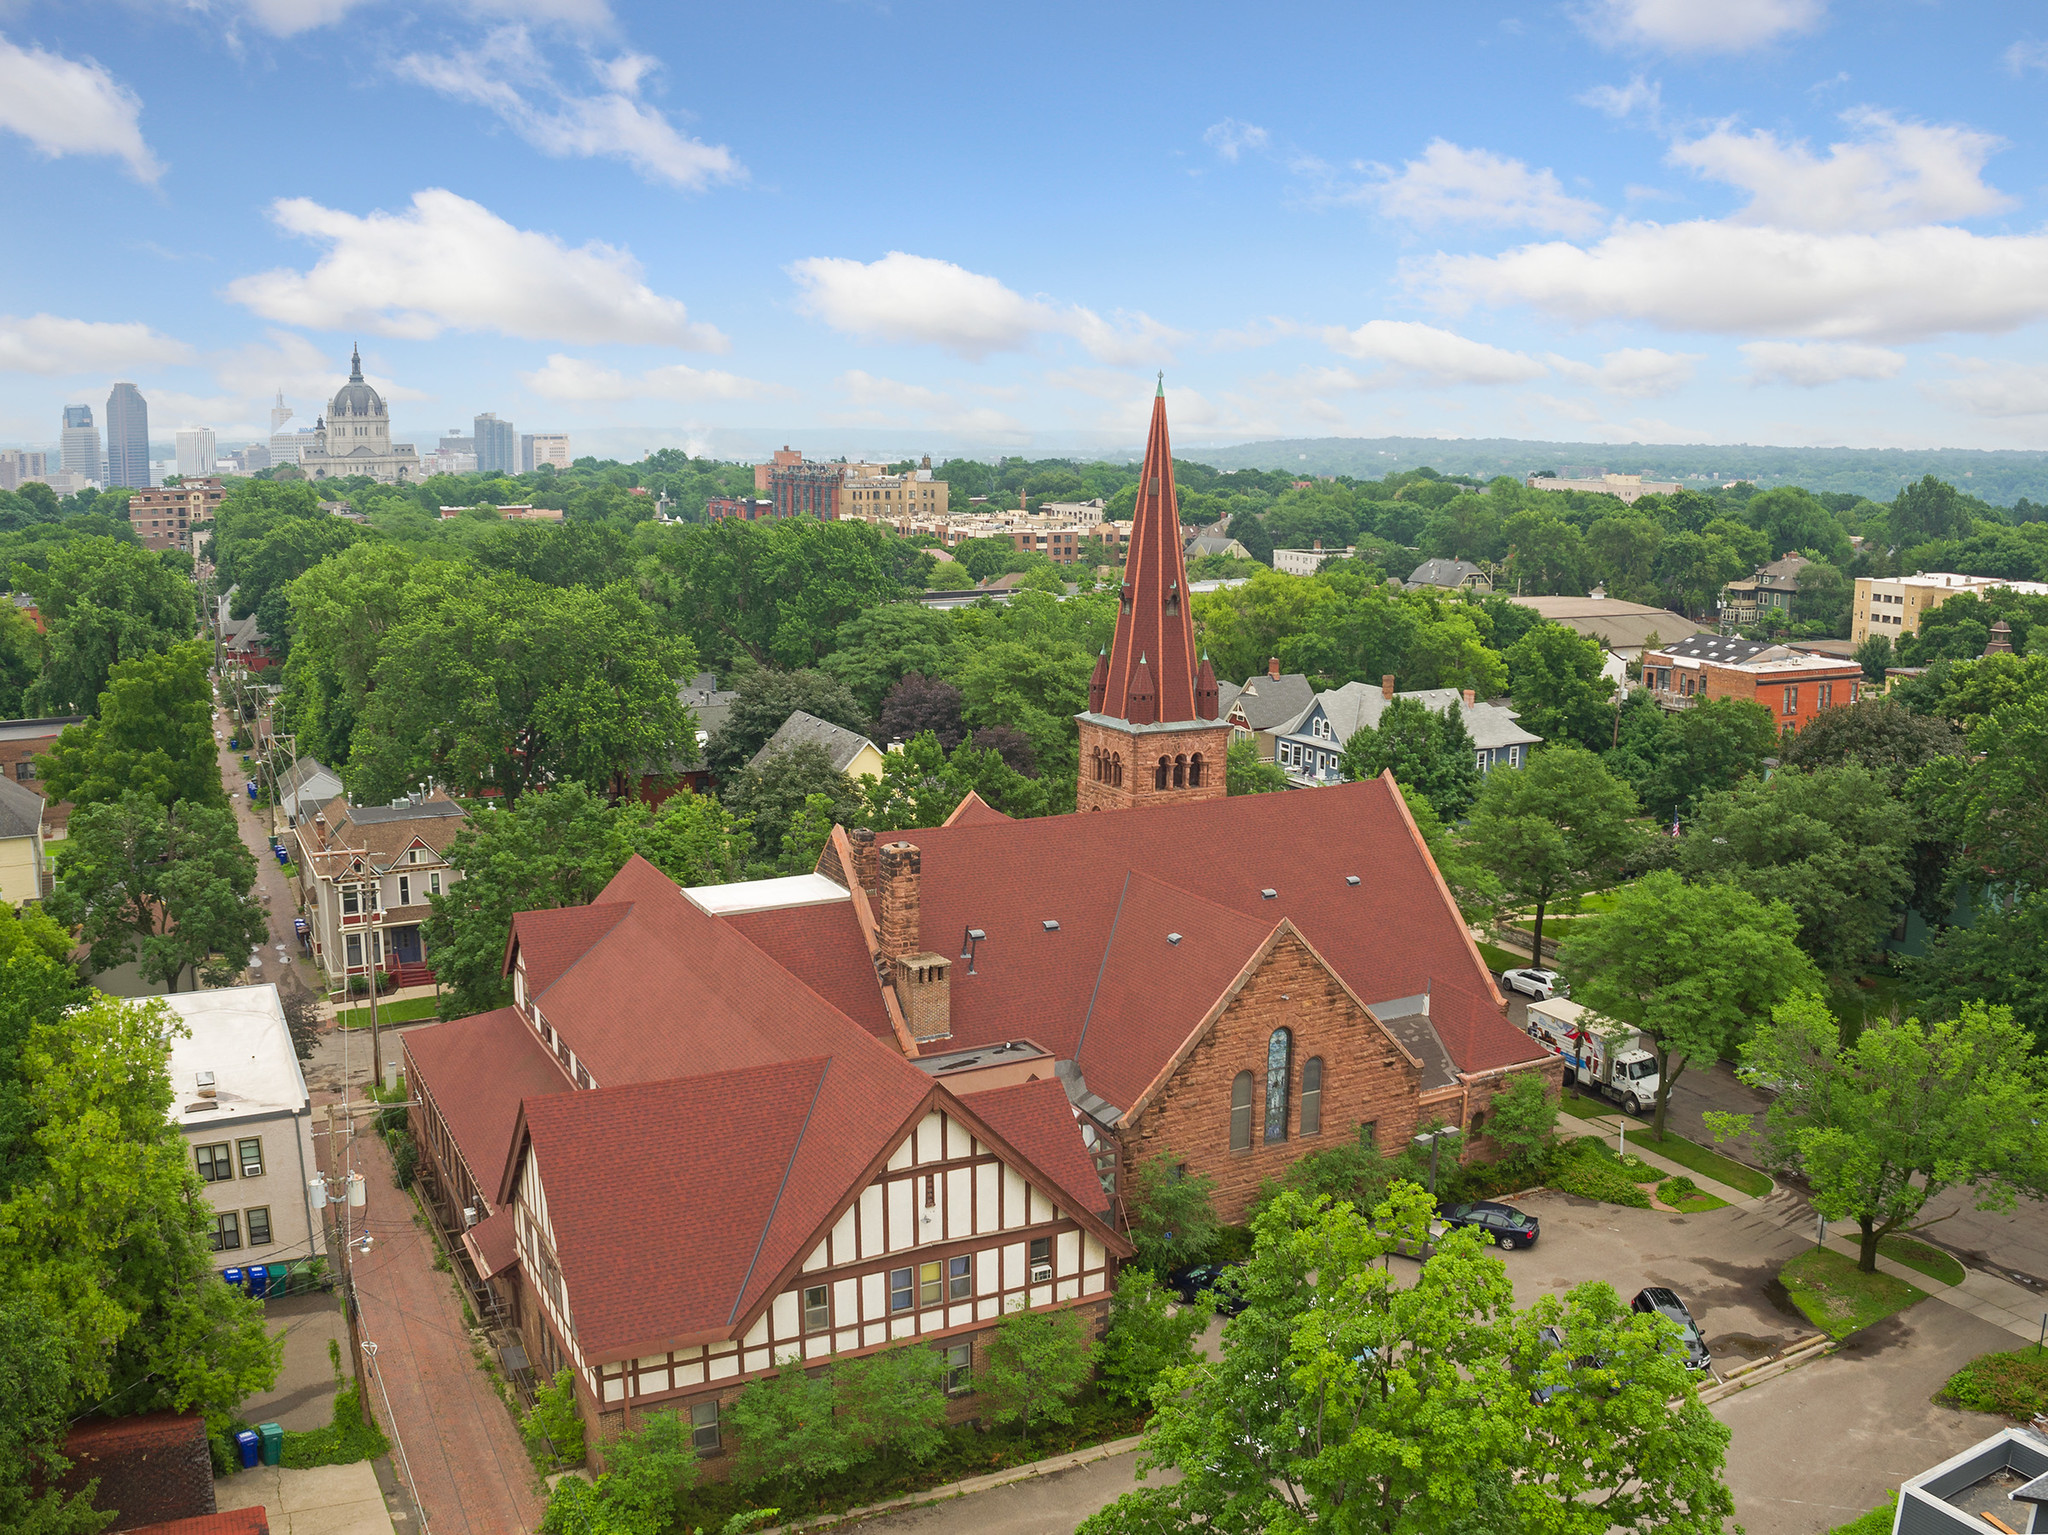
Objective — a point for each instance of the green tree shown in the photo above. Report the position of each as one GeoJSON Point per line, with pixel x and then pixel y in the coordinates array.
{"type": "Point", "coordinates": [776, 796]}
{"type": "Point", "coordinates": [1793, 520]}
{"type": "Point", "coordinates": [1245, 773]}
{"type": "Point", "coordinates": [650, 1467]}
{"type": "Point", "coordinates": [893, 1401]}
{"type": "Point", "coordinates": [1523, 1119]}
{"type": "Point", "coordinates": [1831, 844]}
{"type": "Point", "coordinates": [1425, 750]}
{"type": "Point", "coordinates": [104, 601]}
{"type": "Point", "coordinates": [1559, 691]}
{"type": "Point", "coordinates": [1695, 967]}
{"type": "Point", "coordinates": [1877, 733]}
{"type": "Point", "coordinates": [1715, 744]}
{"type": "Point", "coordinates": [153, 735]}
{"type": "Point", "coordinates": [1546, 554]}
{"type": "Point", "coordinates": [554, 1425]}
{"type": "Point", "coordinates": [787, 1432]}
{"type": "Point", "coordinates": [21, 658]}
{"type": "Point", "coordinates": [693, 839]}
{"type": "Point", "coordinates": [1353, 1396]}
{"type": "Point", "coordinates": [1038, 1361]}
{"type": "Point", "coordinates": [2004, 794]}
{"type": "Point", "coordinates": [166, 887]}
{"type": "Point", "coordinates": [1559, 824]}
{"type": "Point", "coordinates": [35, 1401]}
{"type": "Point", "coordinates": [767, 699]}
{"type": "Point", "coordinates": [1883, 1126]}
{"type": "Point", "coordinates": [1926, 510]}
{"type": "Point", "coordinates": [1173, 1214]}
{"type": "Point", "coordinates": [1999, 959]}
{"type": "Point", "coordinates": [1874, 655]}
{"type": "Point", "coordinates": [1147, 1336]}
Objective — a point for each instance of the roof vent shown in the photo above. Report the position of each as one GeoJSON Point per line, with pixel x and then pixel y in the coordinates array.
{"type": "Point", "coordinates": [204, 1080]}
{"type": "Point", "coordinates": [203, 1106]}
{"type": "Point", "coordinates": [968, 940]}
{"type": "Point", "coordinates": [1269, 893]}
{"type": "Point", "coordinates": [1351, 879]}
{"type": "Point", "coordinates": [1173, 938]}
{"type": "Point", "coordinates": [1050, 927]}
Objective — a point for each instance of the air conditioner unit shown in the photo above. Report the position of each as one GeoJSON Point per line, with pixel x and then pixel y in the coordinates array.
{"type": "Point", "coordinates": [469, 1215]}
{"type": "Point", "coordinates": [1041, 1273]}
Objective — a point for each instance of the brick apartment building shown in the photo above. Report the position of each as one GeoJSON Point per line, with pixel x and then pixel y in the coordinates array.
{"type": "Point", "coordinates": [1794, 685]}
{"type": "Point", "coordinates": [21, 742]}
{"type": "Point", "coordinates": [171, 516]}
{"type": "Point", "coordinates": [1893, 606]}
{"type": "Point", "coordinates": [740, 508]}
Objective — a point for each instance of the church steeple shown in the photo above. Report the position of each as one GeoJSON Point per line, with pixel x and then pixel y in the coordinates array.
{"type": "Point", "coordinates": [1155, 629]}
{"type": "Point", "coordinates": [355, 366]}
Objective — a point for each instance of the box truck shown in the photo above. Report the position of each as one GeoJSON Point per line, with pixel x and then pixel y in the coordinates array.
{"type": "Point", "coordinates": [1610, 1058]}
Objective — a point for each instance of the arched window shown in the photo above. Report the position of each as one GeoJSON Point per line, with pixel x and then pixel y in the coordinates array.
{"type": "Point", "coordinates": [1241, 1112]}
{"type": "Point", "coordinates": [1160, 773]}
{"type": "Point", "coordinates": [1180, 771]}
{"type": "Point", "coordinates": [1312, 1095]}
{"type": "Point", "coordinates": [1195, 771]}
{"type": "Point", "coordinates": [1116, 769]}
{"type": "Point", "coordinates": [1279, 1051]}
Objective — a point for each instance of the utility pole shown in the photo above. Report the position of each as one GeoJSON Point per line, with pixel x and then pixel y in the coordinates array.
{"type": "Point", "coordinates": [344, 1250]}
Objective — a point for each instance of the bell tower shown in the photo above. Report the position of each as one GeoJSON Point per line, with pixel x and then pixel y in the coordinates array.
{"type": "Point", "coordinates": [1152, 732]}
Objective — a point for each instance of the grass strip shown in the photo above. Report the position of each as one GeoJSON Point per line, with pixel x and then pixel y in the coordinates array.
{"type": "Point", "coordinates": [1877, 1522]}
{"type": "Point", "coordinates": [2014, 1385]}
{"type": "Point", "coordinates": [1922, 1258]}
{"type": "Point", "coordinates": [352, 1436]}
{"type": "Point", "coordinates": [1585, 1108]}
{"type": "Point", "coordinates": [408, 1010]}
{"type": "Point", "coordinates": [1695, 1158]}
{"type": "Point", "coordinates": [1499, 959]}
{"type": "Point", "coordinates": [1839, 1298]}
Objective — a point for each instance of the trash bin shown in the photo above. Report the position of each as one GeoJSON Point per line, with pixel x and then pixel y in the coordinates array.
{"type": "Point", "coordinates": [273, 1443]}
{"type": "Point", "coordinates": [258, 1278]}
{"type": "Point", "coordinates": [232, 1276]}
{"type": "Point", "coordinates": [249, 1448]}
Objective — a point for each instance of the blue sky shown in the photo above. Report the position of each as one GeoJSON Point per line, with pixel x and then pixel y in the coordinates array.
{"type": "Point", "coordinates": [893, 226]}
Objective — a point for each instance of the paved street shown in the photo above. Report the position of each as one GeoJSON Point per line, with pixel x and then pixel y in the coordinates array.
{"type": "Point", "coordinates": [271, 885]}
{"type": "Point", "coordinates": [1038, 1506]}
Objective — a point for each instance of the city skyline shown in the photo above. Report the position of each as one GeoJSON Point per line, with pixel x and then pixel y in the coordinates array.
{"type": "Point", "coordinates": [1606, 221]}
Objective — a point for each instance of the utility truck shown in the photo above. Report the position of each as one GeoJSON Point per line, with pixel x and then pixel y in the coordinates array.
{"type": "Point", "coordinates": [1610, 1058]}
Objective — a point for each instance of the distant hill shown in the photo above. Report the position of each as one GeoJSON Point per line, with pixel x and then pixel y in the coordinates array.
{"type": "Point", "coordinates": [2000, 476]}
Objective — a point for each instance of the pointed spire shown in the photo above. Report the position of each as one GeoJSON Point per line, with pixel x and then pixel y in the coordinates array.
{"type": "Point", "coordinates": [355, 364]}
{"type": "Point", "coordinates": [1098, 685]}
{"type": "Point", "coordinates": [1161, 393]}
{"type": "Point", "coordinates": [1153, 616]}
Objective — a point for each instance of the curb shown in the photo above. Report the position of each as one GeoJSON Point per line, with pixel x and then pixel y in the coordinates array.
{"type": "Point", "coordinates": [1745, 1376]}
{"type": "Point", "coordinates": [974, 1484]}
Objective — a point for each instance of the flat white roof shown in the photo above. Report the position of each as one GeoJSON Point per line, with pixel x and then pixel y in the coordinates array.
{"type": "Point", "coordinates": [238, 1033]}
{"type": "Point", "coordinates": [766, 894]}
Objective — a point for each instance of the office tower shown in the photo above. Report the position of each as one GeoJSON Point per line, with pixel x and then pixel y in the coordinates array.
{"type": "Point", "coordinates": [497, 446]}
{"type": "Point", "coordinates": [284, 445]}
{"type": "Point", "coordinates": [128, 437]}
{"type": "Point", "coordinates": [196, 451]}
{"type": "Point", "coordinates": [537, 448]}
{"type": "Point", "coordinates": [80, 451]}
{"type": "Point", "coordinates": [17, 466]}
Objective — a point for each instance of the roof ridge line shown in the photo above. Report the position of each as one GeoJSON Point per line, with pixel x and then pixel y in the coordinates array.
{"type": "Point", "coordinates": [788, 1167]}
{"type": "Point", "coordinates": [1108, 948]}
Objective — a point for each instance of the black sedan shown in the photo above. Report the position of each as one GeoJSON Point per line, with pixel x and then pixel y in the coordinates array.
{"type": "Point", "coordinates": [1659, 1301]}
{"type": "Point", "coordinates": [1510, 1228]}
{"type": "Point", "coordinates": [1199, 1278]}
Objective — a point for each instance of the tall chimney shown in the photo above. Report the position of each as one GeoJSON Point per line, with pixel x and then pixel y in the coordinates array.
{"type": "Point", "coordinates": [1273, 667]}
{"type": "Point", "coordinates": [899, 866]}
{"type": "Point", "coordinates": [865, 872]}
{"type": "Point", "coordinates": [1387, 685]}
{"type": "Point", "coordinates": [1469, 698]}
{"type": "Point", "coordinates": [320, 830]}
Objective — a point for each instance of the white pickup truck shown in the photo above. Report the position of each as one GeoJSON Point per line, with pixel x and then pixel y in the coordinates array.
{"type": "Point", "coordinates": [1598, 1052]}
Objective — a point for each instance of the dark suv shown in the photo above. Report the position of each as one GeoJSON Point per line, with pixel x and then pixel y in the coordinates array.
{"type": "Point", "coordinates": [1658, 1301]}
{"type": "Point", "coordinates": [1206, 1279]}
{"type": "Point", "coordinates": [1508, 1227]}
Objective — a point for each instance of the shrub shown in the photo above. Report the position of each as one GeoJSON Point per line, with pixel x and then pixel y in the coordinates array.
{"type": "Point", "coordinates": [1672, 1190]}
{"type": "Point", "coordinates": [1038, 1361]}
{"type": "Point", "coordinates": [1524, 1119]}
{"type": "Point", "coordinates": [1581, 1169]}
{"type": "Point", "coordinates": [351, 1437]}
{"type": "Point", "coordinates": [1355, 1172]}
{"type": "Point", "coordinates": [1146, 1336]}
{"type": "Point", "coordinates": [786, 1430]}
{"type": "Point", "coordinates": [359, 985]}
{"type": "Point", "coordinates": [554, 1428]}
{"type": "Point", "coordinates": [2014, 1384]}
{"type": "Point", "coordinates": [652, 1467]}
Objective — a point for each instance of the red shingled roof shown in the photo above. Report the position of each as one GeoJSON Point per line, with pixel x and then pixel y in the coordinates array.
{"type": "Point", "coordinates": [1036, 1120]}
{"type": "Point", "coordinates": [974, 811]}
{"type": "Point", "coordinates": [553, 941]}
{"type": "Point", "coordinates": [478, 1070]}
{"type": "Point", "coordinates": [821, 946]}
{"type": "Point", "coordinates": [493, 1244]}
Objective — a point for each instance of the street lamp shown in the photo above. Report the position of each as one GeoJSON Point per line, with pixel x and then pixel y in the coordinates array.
{"type": "Point", "coordinates": [1430, 1138]}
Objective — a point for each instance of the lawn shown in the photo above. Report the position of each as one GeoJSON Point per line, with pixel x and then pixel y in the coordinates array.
{"type": "Point", "coordinates": [410, 1010]}
{"type": "Point", "coordinates": [1695, 1158]}
{"type": "Point", "coordinates": [1585, 1108]}
{"type": "Point", "coordinates": [1922, 1258]}
{"type": "Point", "coordinates": [1499, 959]}
{"type": "Point", "coordinates": [1837, 1298]}
{"type": "Point", "coordinates": [2014, 1385]}
{"type": "Point", "coordinates": [1877, 1522]}
{"type": "Point", "coordinates": [1686, 1197]}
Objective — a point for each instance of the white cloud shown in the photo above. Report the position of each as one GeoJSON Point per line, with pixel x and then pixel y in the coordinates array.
{"type": "Point", "coordinates": [1891, 174]}
{"type": "Point", "coordinates": [1639, 96]}
{"type": "Point", "coordinates": [1431, 355]}
{"type": "Point", "coordinates": [288, 18]}
{"type": "Point", "coordinates": [509, 75]}
{"type": "Point", "coordinates": [1997, 389]}
{"type": "Point", "coordinates": [905, 298]}
{"type": "Point", "coordinates": [1231, 138]}
{"type": "Point", "coordinates": [1894, 285]}
{"type": "Point", "coordinates": [1699, 26]}
{"type": "Point", "coordinates": [886, 401]}
{"type": "Point", "coordinates": [1636, 372]}
{"type": "Point", "coordinates": [1452, 184]}
{"type": "Point", "coordinates": [72, 107]}
{"type": "Point", "coordinates": [50, 344]}
{"type": "Point", "coordinates": [447, 263]}
{"type": "Point", "coordinates": [303, 370]}
{"type": "Point", "coordinates": [1809, 364]}
{"type": "Point", "coordinates": [585, 382]}
{"type": "Point", "coordinates": [2026, 54]}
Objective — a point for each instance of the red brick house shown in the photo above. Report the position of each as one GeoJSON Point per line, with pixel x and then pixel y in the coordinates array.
{"type": "Point", "coordinates": [1794, 685]}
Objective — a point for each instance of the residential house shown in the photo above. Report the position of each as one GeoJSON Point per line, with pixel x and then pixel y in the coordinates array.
{"type": "Point", "coordinates": [366, 876]}
{"type": "Point", "coordinates": [1306, 562]}
{"type": "Point", "coordinates": [712, 706]}
{"type": "Point", "coordinates": [1998, 1483]}
{"type": "Point", "coordinates": [852, 754]}
{"type": "Point", "coordinates": [21, 742]}
{"type": "Point", "coordinates": [306, 788]}
{"type": "Point", "coordinates": [21, 843]}
{"type": "Point", "coordinates": [242, 640]}
{"type": "Point", "coordinates": [1794, 685]}
{"type": "Point", "coordinates": [1894, 605]}
{"type": "Point", "coordinates": [243, 1108]}
{"type": "Point", "coordinates": [1216, 543]}
{"type": "Point", "coordinates": [1452, 575]}
{"type": "Point", "coordinates": [1769, 591]}
{"type": "Point", "coordinates": [1311, 747]}
{"type": "Point", "coordinates": [1264, 705]}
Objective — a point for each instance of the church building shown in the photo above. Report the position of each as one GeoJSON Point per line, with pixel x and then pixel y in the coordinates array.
{"type": "Point", "coordinates": [726, 1127]}
{"type": "Point", "coordinates": [354, 436]}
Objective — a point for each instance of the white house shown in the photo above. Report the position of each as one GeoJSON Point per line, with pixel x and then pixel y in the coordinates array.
{"type": "Point", "coordinates": [1311, 747]}
{"type": "Point", "coordinates": [244, 1110]}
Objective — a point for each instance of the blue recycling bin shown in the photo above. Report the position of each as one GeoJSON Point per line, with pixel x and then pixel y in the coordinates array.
{"type": "Point", "coordinates": [258, 1278]}
{"type": "Point", "coordinates": [252, 791]}
{"type": "Point", "coordinates": [248, 1448]}
{"type": "Point", "coordinates": [232, 1276]}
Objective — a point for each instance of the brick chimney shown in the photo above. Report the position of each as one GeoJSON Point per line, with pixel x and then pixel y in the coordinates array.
{"type": "Point", "coordinates": [320, 830]}
{"type": "Point", "coordinates": [899, 864]}
{"type": "Point", "coordinates": [1469, 699]}
{"type": "Point", "coordinates": [1387, 685]}
{"type": "Point", "coordinates": [1273, 667]}
{"type": "Point", "coordinates": [865, 871]}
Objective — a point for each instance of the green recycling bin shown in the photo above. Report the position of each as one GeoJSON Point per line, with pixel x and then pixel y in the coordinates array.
{"type": "Point", "coordinates": [273, 1443]}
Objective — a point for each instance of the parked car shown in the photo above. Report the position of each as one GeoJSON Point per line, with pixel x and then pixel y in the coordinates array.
{"type": "Point", "coordinates": [1553, 1338]}
{"type": "Point", "coordinates": [1656, 1300]}
{"type": "Point", "coordinates": [1510, 1228]}
{"type": "Point", "coordinates": [1531, 982]}
{"type": "Point", "coordinates": [1197, 1278]}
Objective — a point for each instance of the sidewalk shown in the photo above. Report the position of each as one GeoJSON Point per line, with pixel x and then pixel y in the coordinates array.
{"type": "Point", "coordinates": [326, 1500]}
{"type": "Point", "coordinates": [1985, 1296]}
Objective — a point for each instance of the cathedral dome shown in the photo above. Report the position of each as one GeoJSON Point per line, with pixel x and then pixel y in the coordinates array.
{"type": "Point", "coordinates": [356, 398]}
